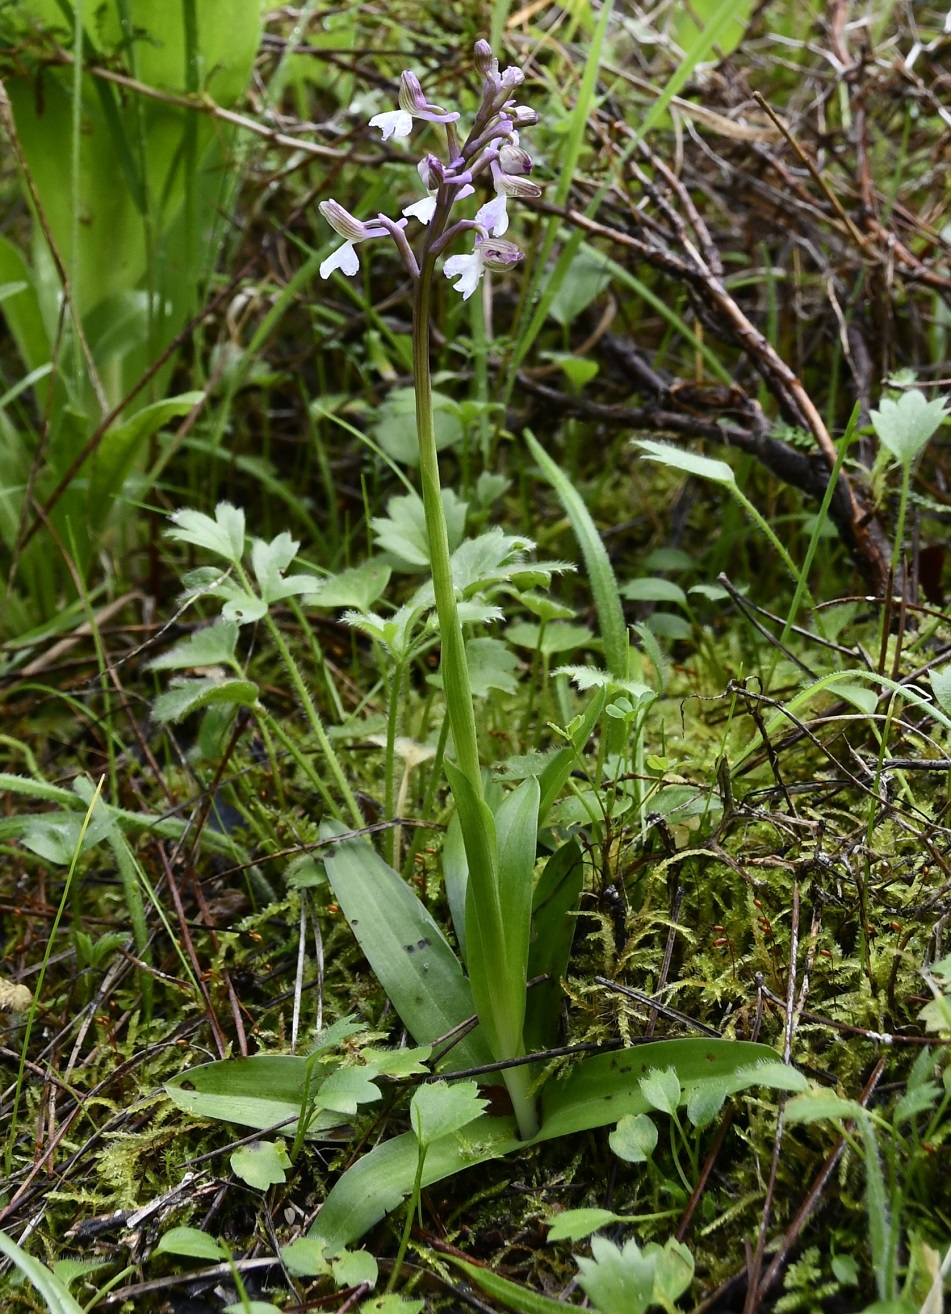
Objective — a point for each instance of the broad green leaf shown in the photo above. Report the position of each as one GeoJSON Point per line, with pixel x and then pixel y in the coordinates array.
{"type": "Point", "coordinates": [347, 1088]}
{"type": "Point", "coordinates": [223, 536]}
{"type": "Point", "coordinates": [212, 645]}
{"type": "Point", "coordinates": [402, 531]}
{"type": "Point", "coordinates": [676, 458]}
{"type": "Point", "coordinates": [556, 637]}
{"type": "Point", "coordinates": [261, 1164]}
{"type": "Point", "coordinates": [438, 1109]}
{"type": "Point", "coordinates": [405, 946]}
{"type": "Point", "coordinates": [584, 281]}
{"type": "Point", "coordinates": [191, 1243]}
{"type": "Point", "coordinates": [618, 1281]}
{"type": "Point", "coordinates": [409, 1062]}
{"type": "Point", "coordinates": [605, 1087]}
{"type": "Point", "coordinates": [306, 1257]}
{"type": "Point", "coordinates": [491, 666]}
{"type": "Point", "coordinates": [661, 1089]}
{"type": "Point", "coordinates": [395, 428]}
{"type": "Point", "coordinates": [667, 626]}
{"type": "Point", "coordinates": [123, 443]}
{"type": "Point", "coordinates": [355, 1268]}
{"type": "Point", "coordinates": [56, 836]}
{"type": "Point", "coordinates": [701, 14]}
{"type": "Point", "coordinates": [391, 1304]}
{"type": "Point", "coordinates": [941, 686]}
{"type": "Point", "coordinates": [703, 1106]}
{"type": "Point", "coordinates": [22, 309]}
{"type": "Point", "coordinates": [379, 1181]}
{"type": "Point", "coordinates": [498, 915]}
{"type": "Point", "coordinates": [266, 1091]}
{"type": "Point", "coordinates": [673, 1271]}
{"type": "Point", "coordinates": [508, 1293]}
{"type": "Point", "coordinates": [634, 1139]}
{"type": "Point", "coordinates": [187, 696]}
{"type": "Point", "coordinates": [270, 560]}
{"type": "Point", "coordinates": [358, 587]}
{"type": "Point", "coordinates": [252, 1307]}
{"type": "Point", "coordinates": [554, 900]}
{"type": "Point", "coordinates": [653, 590]}
{"type": "Point", "coordinates": [866, 700]}
{"type": "Point", "coordinates": [904, 426]}
{"type": "Point", "coordinates": [545, 607]}
{"type": "Point", "coordinates": [576, 1224]}
{"type": "Point", "coordinates": [50, 1287]}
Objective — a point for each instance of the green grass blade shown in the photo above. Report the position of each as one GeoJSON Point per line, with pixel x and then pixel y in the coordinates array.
{"type": "Point", "coordinates": [607, 600]}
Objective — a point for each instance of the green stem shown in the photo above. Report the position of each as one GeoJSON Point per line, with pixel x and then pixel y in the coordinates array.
{"type": "Point", "coordinates": [480, 837]}
{"type": "Point", "coordinates": [455, 668]}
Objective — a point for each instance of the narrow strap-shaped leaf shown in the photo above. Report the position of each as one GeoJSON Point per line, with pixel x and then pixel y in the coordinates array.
{"type": "Point", "coordinates": [404, 945]}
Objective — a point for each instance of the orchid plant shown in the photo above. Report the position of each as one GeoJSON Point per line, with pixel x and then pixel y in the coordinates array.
{"type": "Point", "coordinates": [514, 923]}
{"type": "Point", "coordinates": [492, 150]}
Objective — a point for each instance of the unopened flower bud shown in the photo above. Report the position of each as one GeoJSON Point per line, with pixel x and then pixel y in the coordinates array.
{"type": "Point", "coordinates": [513, 159]}
{"type": "Point", "coordinates": [522, 188]}
{"type": "Point", "coordinates": [412, 99]}
{"type": "Point", "coordinates": [431, 172]}
{"type": "Point", "coordinates": [511, 78]}
{"type": "Point", "coordinates": [485, 62]}
{"type": "Point", "coordinates": [497, 253]}
{"type": "Point", "coordinates": [522, 116]}
{"type": "Point", "coordinates": [342, 221]}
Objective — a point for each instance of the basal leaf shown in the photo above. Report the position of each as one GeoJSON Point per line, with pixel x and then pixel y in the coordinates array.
{"type": "Point", "coordinates": [358, 588]}
{"type": "Point", "coordinates": [596, 1093]}
{"type": "Point", "coordinates": [507, 1293]}
{"type": "Point", "coordinates": [405, 947]}
{"type": "Point", "coordinates": [266, 1091]}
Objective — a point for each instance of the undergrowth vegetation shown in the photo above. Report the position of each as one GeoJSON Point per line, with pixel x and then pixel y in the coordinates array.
{"type": "Point", "coordinates": [474, 658]}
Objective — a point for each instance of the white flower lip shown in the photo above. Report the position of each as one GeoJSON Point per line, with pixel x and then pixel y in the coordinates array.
{"type": "Point", "coordinates": [344, 258]}
{"type": "Point", "coordinates": [393, 123]}
{"type": "Point", "coordinates": [468, 269]}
